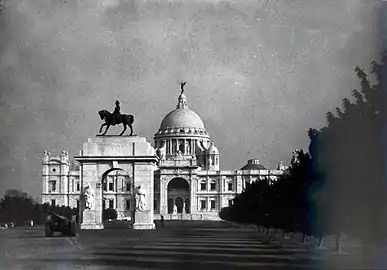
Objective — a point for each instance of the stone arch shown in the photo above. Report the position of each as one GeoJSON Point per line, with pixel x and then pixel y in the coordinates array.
{"type": "Point", "coordinates": [120, 182]}
{"type": "Point", "coordinates": [178, 191]}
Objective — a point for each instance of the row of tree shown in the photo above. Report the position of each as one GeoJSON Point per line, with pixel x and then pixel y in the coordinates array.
{"type": "Point", "coordinates": [20, 210]}
{"type": "Point", "coordinates": [285, 204]}
{"type": "Point", "coordinates": [339, 185]}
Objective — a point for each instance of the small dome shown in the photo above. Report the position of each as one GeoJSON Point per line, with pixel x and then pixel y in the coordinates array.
{"type": "Point", "coordinates": [182, 118]}
{"type": "Point", "coordinates": [253, 164]}
{"type": "Point", "coordinates": [213, 150]}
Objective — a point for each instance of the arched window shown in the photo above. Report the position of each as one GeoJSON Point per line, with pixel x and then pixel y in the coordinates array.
{"type": "Point", "coordinates": [229, 185]}
{"type": "Point", "coordinates": [203, 185]}
{"type": "Point", "coordinates": [213, 185]}
{"type": "Point", "coordinates": [128, 185]}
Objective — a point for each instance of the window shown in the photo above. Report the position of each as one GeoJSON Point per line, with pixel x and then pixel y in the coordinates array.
{"type": "Point", "coordinates": [128, 204]}
{"type": "Point", "coordinates": [77, 186]}
{"type": "Point", "coordinates": [213, 204]}
{"type": "Point", "coordinates": [127, 186]}
{"type": "Point", "coordinates": [203, 185]}
{"type": "Point", "coordinates": [229, 202]}
{"type": "Point", "coordinates": [111, 203]}
{"type": "Point", "coordinates": [53, 170]}
{"type": "Point", "coordinates": [111, 186]}
{"type": "Point", "coordinates": [104, 186]}
{"type": "Point", "coordinates": [229, 186]}
{"type": "Point", "coordinates": [53, 203]}
{"type": "Point", "coordinates": [203, 205]}
{"type": "Point", "coordinates": [213, 185]}
{"type": "Point", "coordinates": [52, 186]}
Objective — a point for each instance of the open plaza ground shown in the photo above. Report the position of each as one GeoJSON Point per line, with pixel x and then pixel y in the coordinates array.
{"type": "Point", "coordinates": [179, 245]}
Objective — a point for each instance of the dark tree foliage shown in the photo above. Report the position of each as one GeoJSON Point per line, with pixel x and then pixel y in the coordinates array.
{"type": "Point", "coordinates": [249, 206]}
{"type": "Point", "coordinates": [339, 186]}
{"type": "Point", "coordinates": [286, 204]}
{"type": "Point", "coordinates": [22, 209]}
{"type": "Point", "coordinates": [350, 156]}
{"type": "Point", "coordinates": [295, 193]}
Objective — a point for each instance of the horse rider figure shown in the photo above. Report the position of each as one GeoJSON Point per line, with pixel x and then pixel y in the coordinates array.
{"type": "Point", "coordinates": [116, 114]}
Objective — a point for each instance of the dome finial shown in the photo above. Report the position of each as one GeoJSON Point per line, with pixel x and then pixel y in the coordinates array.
{"type": "Point", "coordinates": [182, 84]}
{"type": "Point", "coordinates": [182, 100]}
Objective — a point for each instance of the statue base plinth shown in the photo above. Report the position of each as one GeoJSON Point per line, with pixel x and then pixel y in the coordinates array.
{"type": "Point", "coordinates": [118, 135]}
{"type": "Point", "coordinates": [91, 226]}
{"type": "Point", "coordinates": [144, 226]}
{"type": "Point", "coordinates": [89, 221]}
{"type": "Point", "coordinates": [143, 220]}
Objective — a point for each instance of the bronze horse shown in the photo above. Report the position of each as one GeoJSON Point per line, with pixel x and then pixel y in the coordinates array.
{"type": "Point", "coordinates": [125, 119]}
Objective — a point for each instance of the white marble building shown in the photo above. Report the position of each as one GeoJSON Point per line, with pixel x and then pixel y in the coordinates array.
{"type": "Point", "coordinates": [188, 182]}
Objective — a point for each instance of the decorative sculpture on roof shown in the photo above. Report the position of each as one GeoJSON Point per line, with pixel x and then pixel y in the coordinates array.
{"type": "Point", "coordinates": [295, 156]}
{"type": "Point", "coordinates": [182, 84]}
{"type": "Point", "coordinates": [116, 118]}
{"type": "Point", "coordinates": [88, 194]}
{"type": "Point", "coordinates": [140, 199]}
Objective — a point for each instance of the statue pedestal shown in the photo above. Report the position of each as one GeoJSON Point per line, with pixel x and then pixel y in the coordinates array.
{"type": "Point", "coordinates": [143, 220]}
{"type": "Point", "coordinates": [89, 221]}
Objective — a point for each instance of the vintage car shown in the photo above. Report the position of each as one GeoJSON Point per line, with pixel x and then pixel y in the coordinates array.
{"type": "Point", "coordinates": [58, 223]}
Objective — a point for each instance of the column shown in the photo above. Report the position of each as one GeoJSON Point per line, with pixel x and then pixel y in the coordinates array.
{"type": "Point", "coordinates": [193, 198]}
{"type": "Point", "coordinates": [144, 177]}
{"type": "Point", "coordinates": [192, 146]}
{"type": "Point", "coordinates": [92, 218]}
{"type": "Point", "coordinates": [168, 147]}
{"type": "Point", "coordinates": [163, 197]}
{"type": "Point", "coordinates": [220, 193]}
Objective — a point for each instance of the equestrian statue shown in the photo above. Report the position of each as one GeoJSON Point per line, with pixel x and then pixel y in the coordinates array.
{"type": "Point", "coordinates": [116, 118]}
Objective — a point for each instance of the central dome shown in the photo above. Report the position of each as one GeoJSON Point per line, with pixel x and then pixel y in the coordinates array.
{"type": "Point", "coordinates": [182, 118]}
{"type": "Point", "coordinates": [182, 122]}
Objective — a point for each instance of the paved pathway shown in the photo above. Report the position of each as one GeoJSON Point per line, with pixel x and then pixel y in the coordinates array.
{"type": "Point", "coordinates": [168, 248]}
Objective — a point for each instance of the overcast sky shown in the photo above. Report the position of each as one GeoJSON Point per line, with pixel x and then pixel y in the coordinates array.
{"type": "Point", "coordinates": [259, 72]}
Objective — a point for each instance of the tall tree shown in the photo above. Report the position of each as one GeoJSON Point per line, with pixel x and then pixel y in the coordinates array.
{"type": "Point", "coordinates": [351, 159]}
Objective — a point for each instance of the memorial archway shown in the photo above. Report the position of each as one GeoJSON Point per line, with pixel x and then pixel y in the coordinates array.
{"type": "Point", "coordinates": [178, 192]}
{"type": "Point", "coordinates": [102, 155]}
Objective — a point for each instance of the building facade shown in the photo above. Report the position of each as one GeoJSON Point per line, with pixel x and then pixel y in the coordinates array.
{"type": "Point", "coordinates": [188, 182]}
{"type": "Point", "coordinates": [61, 182]}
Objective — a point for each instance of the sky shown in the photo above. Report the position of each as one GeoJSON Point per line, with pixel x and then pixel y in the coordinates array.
{"type": "Point", "coordinates": [259, 73]}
